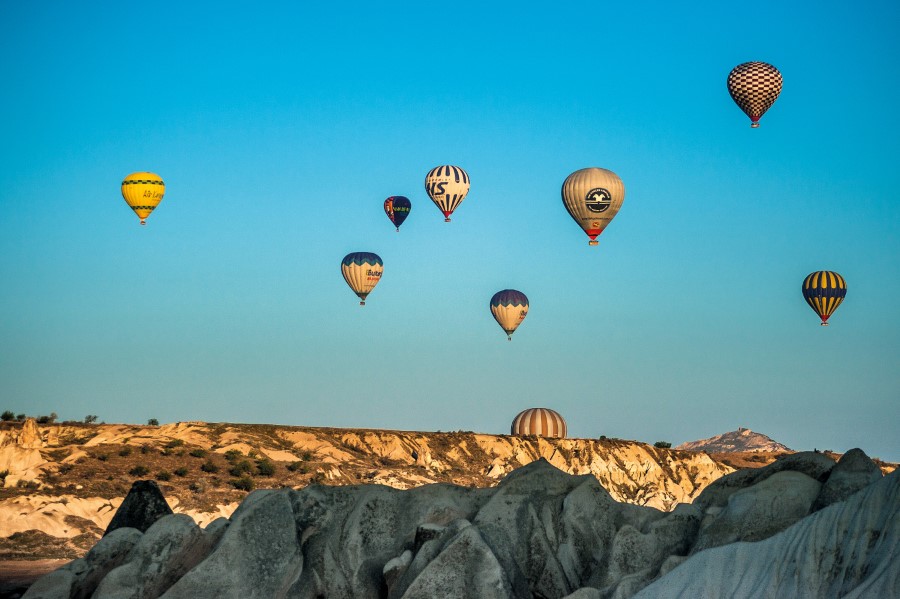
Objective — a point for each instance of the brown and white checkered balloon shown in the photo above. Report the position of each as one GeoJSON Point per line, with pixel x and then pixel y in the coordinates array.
{"type": "Point", "coordinates": [754, 86]}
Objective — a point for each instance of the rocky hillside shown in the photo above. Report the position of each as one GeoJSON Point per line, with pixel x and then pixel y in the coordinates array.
{"type": "Point", "coordinates": [63, 482]}
{"type": "Point", "coordinates": [742, 440]}
{"type": "Point", "coordinates": [803, 526]}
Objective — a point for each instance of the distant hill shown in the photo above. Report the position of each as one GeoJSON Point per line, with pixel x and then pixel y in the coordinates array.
{"type": "Point", "coordinates": [740, 441]}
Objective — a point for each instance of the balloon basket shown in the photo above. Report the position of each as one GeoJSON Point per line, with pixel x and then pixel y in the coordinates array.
{"type": "Point", "coordinates": [446, 219]}
{"type": "Point", "coordinates": [362, 303]}
{"type": "Point", "coordinates": [593, 242]}
{"type": "Point", "coordinates": [824, 324]}
{"type": "Point", "coordinates": [754, 125]}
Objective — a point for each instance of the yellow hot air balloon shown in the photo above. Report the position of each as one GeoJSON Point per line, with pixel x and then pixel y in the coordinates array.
{"type": "Point", "coordinates": [143, 192]}
{"type": "Point", "coordinates": [824, 290]}
{"type": "Point", "coordinates": [362, 271]}
{"type": "Point", "coordinates": [509, 308]}
{"type": "Point", "coordinates": [542, 422]}
{"type": "Point", "coordinates": [593, 196]}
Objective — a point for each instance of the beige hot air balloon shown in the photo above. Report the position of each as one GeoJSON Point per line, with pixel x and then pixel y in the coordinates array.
{"type": "Point", "coordinates": [542, 422]}
{"type": "Point", "coordinates": [509, 308]}
{"type": "Point", "coordinates": [447, 186]}
{"type": "Point", "coordinates": [143, 192]}
{"type": "Point", "coordinates": [593, 196]}
{"type": "Point", "coordinates": [362, 271]}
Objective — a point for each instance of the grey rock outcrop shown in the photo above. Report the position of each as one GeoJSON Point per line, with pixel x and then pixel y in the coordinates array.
{"type": "Point", "coordinates": [539, 533]}
{"type": "Point", "coordinates": [143, 506]}
{"type": "Point", "coordinates": [853, 472]}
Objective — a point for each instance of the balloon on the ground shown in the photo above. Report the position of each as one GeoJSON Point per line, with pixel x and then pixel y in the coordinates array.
{"type": "Point", "coordinates": [447, 187]}
{"type": "Point", "coordinates": [362, 271]}
{"type": "Point", "coordinates": [143, 192]}
{"type": "Point", "coordinates": [824, 291]}
{"type": "Point", "coordinates": [542, 422]}
{"type": "Point", "coordinates": [509, 308]}
{"type": "Point", "coordinates": [397, 209]}
{"type": "Point", "coordinates": [593, 197]}
{"type": "Point", "coordinates": [754, 87]}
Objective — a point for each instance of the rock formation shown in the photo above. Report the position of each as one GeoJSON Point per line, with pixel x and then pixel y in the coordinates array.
{"type": "Point", "coordinates": [539, 533]}
{"type": "Point", "coordinates": [743, 439]}
{"type": "Point", "coordinates": [143, 506]}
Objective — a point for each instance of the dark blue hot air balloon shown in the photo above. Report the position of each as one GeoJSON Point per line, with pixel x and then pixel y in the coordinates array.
{"type": "Point", "coordinates": [397, 209]}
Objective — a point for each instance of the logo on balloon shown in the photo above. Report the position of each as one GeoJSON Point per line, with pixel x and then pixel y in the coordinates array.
{"type": "Point", "coordinates": [597, 200]}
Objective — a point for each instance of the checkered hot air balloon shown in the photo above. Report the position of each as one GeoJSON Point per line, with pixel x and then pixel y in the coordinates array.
{"type": "Point", "coordinates": [447, 186]}
{"type": "Point", "coordinates": [754, 86]}
{"type": "Point", "coordinates": [143, 192]}
{"type": "Point", "coordinates": [509, 308]}
{"type": "Point", "coordinates": [824, 291]}
{"type": "Point", "coordinates": [362, 271]}
{"type": "Point", "coordinates": [542, 422]}
{"type": "Point", "coordinates": [593, 196]}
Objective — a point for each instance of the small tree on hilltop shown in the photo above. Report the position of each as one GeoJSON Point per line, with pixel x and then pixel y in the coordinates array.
{"type": "Point", "coordinates": [7, 416]}
{"type": "Point", "coordinates": [153, 422]}
{"type": "Point", "coordinates": [90, 419]}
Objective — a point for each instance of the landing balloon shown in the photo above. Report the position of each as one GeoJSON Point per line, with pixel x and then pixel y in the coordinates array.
{"type": "Point", "coordinates": [397, 209]}
{"type": "Point", "coordinates": [542, 422]}
{"type": "Point", "coordinates": [143, 192]}
{"type": "Point", "coordinates": [509, 308]}
{"type": "Point", "coordinates": [362, 271]}
{"type": "Point", "coordinates": [754, 86]}
{"type": "Point", "coordinates": [824, 291]}
{"type": "Point", "coordinates": [593, 197]}
{"type": "Point", "coordinates": [447, 187]}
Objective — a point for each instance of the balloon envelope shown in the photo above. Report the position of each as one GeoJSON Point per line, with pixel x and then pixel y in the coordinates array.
{"type": "Point", "coordinates": [447, 187]}
{"type": "Point", "coordinates": [397, 209]}
{"type": "Point", "coordinates": [143, 192]}
{"type": "Point", "coordinates": [754, 87]}
{"type": "Point", "coordinates": [509, 308]}
{"type": "Point", "coordinates": [824, 291]}
{"type": "Point", "coordinates": [593, 197]}
{"type": "Point", "coordinates": [542, 422]}
{"type": "Point", "coordinates": [362, 271]}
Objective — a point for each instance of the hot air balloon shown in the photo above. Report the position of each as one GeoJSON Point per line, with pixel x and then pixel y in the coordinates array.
{"type": "Point", "coordinates": [542, 422]}
{"type": "Point", "coordinates": [362, 271]}
{"type": "Point", "coordinates": [824, 291]}
{"type": "Point", "coordinates": [397, 209]}
{"type": "Point", "coordinates": [593, 196]}
{"type": "Point", "coordinates": [447, 187]}
{"type": "Point", "coordinates": [143, 192]}
{"type": "Point", "coordinates": [754, 86]}
{"type": "Point", "coordinates": [509, 308]}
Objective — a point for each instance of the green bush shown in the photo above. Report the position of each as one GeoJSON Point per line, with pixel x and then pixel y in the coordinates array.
{"type": "Point", "coordinates": [232, 455]}
{"type": "Point", "coordinates": [153, 422]}
{"type": "Point", "coordinates": [7, 416]}
{"type": "Point", "coordinates": [209, 466]}
{"type": "Point", "coordinates": [244, 483]}
{"type": "Point", "coordinates": [198, 453]}
{"type": "Point", "coordinates": [163, 475]}
{"type": "Point", "coordinates": [125, 452]}
{"type": "Point", "coordinates": [265, 467]}
{"type": "Point", "coordinates": [662, 444]}
{"type": "Point", "coordinates": [181, 471]}
{"type": "Point", "coordinates": [174, 443]}
{"type": "Point", "coordinates": [297, 467]}
{"type": "Point", "coordinates": [139, 471]}
{"type": "Point", "coordinates": [242, 467]}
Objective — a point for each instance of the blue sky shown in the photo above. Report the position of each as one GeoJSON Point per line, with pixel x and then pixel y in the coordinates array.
{"type": "Point", "coordinates": [279, 129]}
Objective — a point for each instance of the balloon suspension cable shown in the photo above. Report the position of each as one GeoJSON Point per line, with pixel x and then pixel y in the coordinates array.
{"type": "Point", "coordinates": [398, 229]}
{"type": "Point", "coordinates": [509, 337]}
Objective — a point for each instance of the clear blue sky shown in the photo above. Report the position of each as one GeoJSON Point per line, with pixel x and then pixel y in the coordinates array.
{"type": "Point", "coordinates": [279, 130]}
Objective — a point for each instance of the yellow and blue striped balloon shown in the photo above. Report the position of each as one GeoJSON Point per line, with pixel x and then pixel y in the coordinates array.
{"type": "Point", "coordinates": [509, 308]}
{"type": "Point", "coordinates": [362, 271]}
{"type": "Point", "coordinates": [824, 291]}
